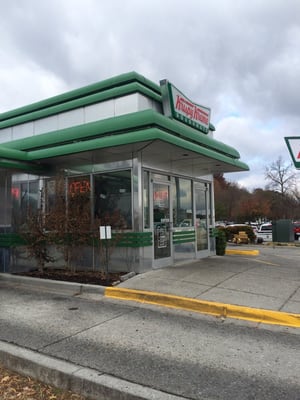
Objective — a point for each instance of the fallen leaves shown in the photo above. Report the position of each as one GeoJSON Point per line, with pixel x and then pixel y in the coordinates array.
{"type": "Point", "coordinates": [17, 387]}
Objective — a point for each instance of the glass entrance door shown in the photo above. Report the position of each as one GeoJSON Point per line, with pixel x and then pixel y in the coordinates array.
{"type": "Point", "coordinates": [202, 228]}
{"type": "Point", "coordinates": [161, 220]}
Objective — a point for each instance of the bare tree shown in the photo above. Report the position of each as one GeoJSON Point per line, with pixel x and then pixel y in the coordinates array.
{"type": "Point", "coordinates": [281, 179]}
{"type": "Point", "coordinates": [281, 176]}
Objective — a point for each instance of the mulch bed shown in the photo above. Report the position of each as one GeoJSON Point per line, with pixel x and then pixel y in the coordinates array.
{"type": "Point", "coordinates": [14, 386]}
{"type": "Point", "coordinates": [85, 277]}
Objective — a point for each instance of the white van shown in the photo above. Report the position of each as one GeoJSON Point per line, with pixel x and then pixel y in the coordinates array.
{"type": "Point", "coordinates": [264, 233]}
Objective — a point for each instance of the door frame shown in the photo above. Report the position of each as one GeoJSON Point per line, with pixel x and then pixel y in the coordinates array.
{"type": "Point", "coordinates": [197, 186]}
{"type": "Point", "coordinates": [163, 261]}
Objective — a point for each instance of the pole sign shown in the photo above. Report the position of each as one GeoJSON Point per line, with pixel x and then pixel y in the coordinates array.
{"type": "Point", "coordinates": [293, 144]}
{"type": "Point", "coordinates": [177, 105]}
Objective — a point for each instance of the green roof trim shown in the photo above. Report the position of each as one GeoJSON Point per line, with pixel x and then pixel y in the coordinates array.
{"type": "Point", "coordinates": [130, 138]}
{"type": "Point", "coordinates": [13, 154]}
{"type": "Point", "coordinates": [76, 94]}
{"type": "Point", "coordinates": [114, 125]}
{"type": "Point", "coordinates": [22, 166]}
{"type": "Point", "coordinates": [108, 94]}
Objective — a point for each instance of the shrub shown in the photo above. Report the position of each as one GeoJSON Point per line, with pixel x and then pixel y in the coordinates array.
{"type": "Point", "coordinates": [220, 242]}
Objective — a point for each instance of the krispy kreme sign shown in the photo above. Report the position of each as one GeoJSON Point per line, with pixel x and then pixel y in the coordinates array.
{"type": "Point", "coordinates": [177, 105]}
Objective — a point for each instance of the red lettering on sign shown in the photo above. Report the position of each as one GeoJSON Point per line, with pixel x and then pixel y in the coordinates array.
{"type": "Point", "coordinates": [77, 187]}
{"type": "Point", "coordinates": [184, 106]}
{"type": "Point", "coordinates": [191, 110]}
{"type": "Point", "coordinates": [298, 157]}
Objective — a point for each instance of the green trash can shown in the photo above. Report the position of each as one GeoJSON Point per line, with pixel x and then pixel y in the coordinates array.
{"type": "Point", "coordinates": [282, 231]}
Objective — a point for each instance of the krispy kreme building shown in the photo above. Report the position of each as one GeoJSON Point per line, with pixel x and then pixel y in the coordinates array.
{"type": "Point", "coordinates": [135, 148]}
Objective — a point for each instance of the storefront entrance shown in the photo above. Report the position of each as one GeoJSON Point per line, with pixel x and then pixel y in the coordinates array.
{"type": "Point", "coordinates": [162, 223]}
{"type": "Point", "coordinates": [181, 220]}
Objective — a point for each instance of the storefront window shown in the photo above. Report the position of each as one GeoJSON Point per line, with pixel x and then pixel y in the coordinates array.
{"type": "Point", "coordinates": [54, 190]}
{"type": "Point", "coordinates": [25, 198]}
{"type": "Point", "coordinates": [33, 195]}
{"type": "Point", "coordinates": [79, 196]}
{"type": "Point", "coordinates": [112, 202]}
{"type": "Point", "coordinates": [182, 203]}
{"type": "Point", "coordinates": [24, 201]}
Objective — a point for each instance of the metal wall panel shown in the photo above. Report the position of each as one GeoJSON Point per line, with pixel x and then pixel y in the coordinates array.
{"type": "Point", "coordinates": [145, 103]}
{"type": "Point", "coordinates": [5, 135]}
{"type": "Point", "coordinates": [99, 111]}
{"type": "Point", "coordinates": [95, 112]}
{"type": "Point", "coordinates": [22, 131]}
{"type": "Point", "coordinates": [70, 118]}
{"type": "Point", "coordinates": [126, 104]}
{"type": "Point", "coordinates": [46, 125]}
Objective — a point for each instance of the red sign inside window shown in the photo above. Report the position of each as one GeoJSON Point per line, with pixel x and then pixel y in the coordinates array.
{"type": "Point", "coordinates": [79, 187]}
{"type": "Point", "coordinates": [160, 195]}
{"type": "Point", "coordinates": [15, 192]}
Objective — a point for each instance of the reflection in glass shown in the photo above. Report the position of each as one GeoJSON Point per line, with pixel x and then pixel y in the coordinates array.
{"type": "Point", "coordinates": [182, 203]}
{"type": "Point", "coordinates": [112, 193]}
{"type": "Point", "coordinates": [201, 217]}
{"type": "Point", "coordinates": [161, 219]}
{"type": "Point", "coordinates": [29, 195]}
{"type": "Point", "coordinates": [79, 197]}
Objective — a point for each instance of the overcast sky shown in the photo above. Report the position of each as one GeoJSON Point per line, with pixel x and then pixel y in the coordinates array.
{"type": "Point", "coordinates": [240, 58]}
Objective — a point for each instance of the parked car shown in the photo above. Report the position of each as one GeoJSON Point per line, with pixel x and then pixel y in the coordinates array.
{"type": "Point", "coordinates": [296, 230]}
{"type": "Point", "coordinates": [264, 233]}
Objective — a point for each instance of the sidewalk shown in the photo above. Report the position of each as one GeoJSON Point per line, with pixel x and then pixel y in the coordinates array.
{"type": "Point", "coordinates": [255, 283]}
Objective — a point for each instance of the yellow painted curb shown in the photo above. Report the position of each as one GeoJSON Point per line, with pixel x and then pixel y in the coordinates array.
{"type": "Point", "coordinates": [242, 252]}
{"type": "Point", "coordinates": [206, 307]}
